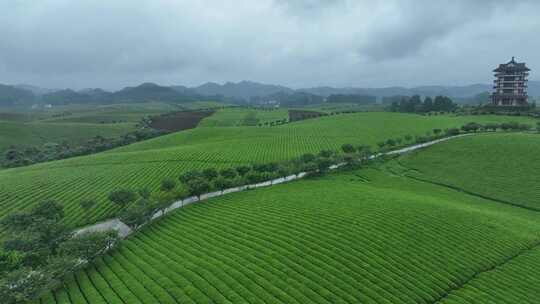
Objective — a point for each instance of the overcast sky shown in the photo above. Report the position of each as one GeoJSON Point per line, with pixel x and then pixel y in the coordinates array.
{"type": "Point", "coordinates": [298, 43]}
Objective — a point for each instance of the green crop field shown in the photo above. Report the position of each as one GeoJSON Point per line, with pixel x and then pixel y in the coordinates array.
{"type": "Point", "coordinates": [38, 133]}
{"type": "Point", "coordinates": [146, 163]}
{"type": "Point", "coordinates": [514, 282]}
{"type": "Point", "coordinates": [500, 166]}
{"type": "Point", "coordinates": [72, 123]}
{"type": "Point", "coordinates": [359, 237]}
{"type": "Point", "coordinates": [339, 107]}
{"type": "Point", "coordinates": [235, 117]}
{"type": "Point", "coordinates": [107, 114]}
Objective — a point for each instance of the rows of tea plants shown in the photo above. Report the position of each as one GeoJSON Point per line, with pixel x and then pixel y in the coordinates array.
{"type": "Point", "coordinates": [106, 114]}
{"type": "Point", "coordinates": [371, 239]}
{"type": "Point", "coordinates": [29, 134]}
{"type": "Point", "coordinates": [240, 116]}
{"type": "Point", "coordinates": [146, 163]}
{"type": "Point", "coordinates": [501, 166]}
{"type": "Point", "coordinates": [521, 274]}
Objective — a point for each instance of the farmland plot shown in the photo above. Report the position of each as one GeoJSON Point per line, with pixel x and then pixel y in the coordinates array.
{"type": "Point", "coordinates": [374, 238]}
{"type": "Point", "coordinates": [500, 166]}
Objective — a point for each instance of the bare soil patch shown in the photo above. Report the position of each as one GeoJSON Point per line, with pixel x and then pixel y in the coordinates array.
{"type": "Point", "coordinates": [178, 121]}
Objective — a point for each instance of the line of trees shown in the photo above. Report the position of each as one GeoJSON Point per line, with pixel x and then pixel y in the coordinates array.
{"type": "Point", "coordinates": [138, 206]}
{"type": "Point", "coordinates": [415, 104]}
{"type": "Point", "coordinates": [17, 157]}
{"type": "Point", "coordinates": [505, 126]}
{"type": "Point", "coordinates": [39, 251]}
{"type": "Point", "coordinates": [274, 122]}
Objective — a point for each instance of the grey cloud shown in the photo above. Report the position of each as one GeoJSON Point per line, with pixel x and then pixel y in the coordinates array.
{"type": "Point", "coordinates": [413, 24]}
{"type": "Point", "coordinates": [84, 43]}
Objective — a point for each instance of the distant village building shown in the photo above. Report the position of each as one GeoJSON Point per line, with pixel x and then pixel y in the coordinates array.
{"type": "Point", "coordinates": [510, 87]}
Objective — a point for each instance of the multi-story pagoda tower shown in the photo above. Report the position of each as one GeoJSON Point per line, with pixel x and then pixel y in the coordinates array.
{"type": "Point", "coordinates": [510, 88]}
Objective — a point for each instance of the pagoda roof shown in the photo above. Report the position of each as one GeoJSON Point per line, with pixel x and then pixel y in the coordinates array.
{"type": "Point", "coordinates": [512, 66]}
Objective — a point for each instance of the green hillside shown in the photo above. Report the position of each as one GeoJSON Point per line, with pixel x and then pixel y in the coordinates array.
{"type": "Point", "coordinates": [146, 163]}
{"type": "Point", "coordinates": [111, 113]}
{"type": "Point", "coordinates": [519, 276]}
{"type": "Point", "coordinates": [73, 123]}
{"type": "Point", "coordinates": [235, 117]}
{"type": "Point", "coordinates": [29, 134]}
{"type": "Point", "coordinates": [364, 237]}
{"type": "Point", "coordinates": [499, 166]}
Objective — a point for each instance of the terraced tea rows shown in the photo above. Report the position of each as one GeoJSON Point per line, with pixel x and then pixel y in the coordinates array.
{"type": "Point", "coordinates": [132, 112]}
{"type": "Point", "coordinates": [500, 166]}
{"type": "Point", "coordinates": [27, 134]}
{"type": "Point", "coordinates": [235, 117]}
{"type": "Point", "coordinates": [521, 274]}
{"type": "Point", "coordinates": [147, 163]}
{"type": "Point", "coordinates": [72, 123]}
{"type": "Point", "coordinates": [372, 238]}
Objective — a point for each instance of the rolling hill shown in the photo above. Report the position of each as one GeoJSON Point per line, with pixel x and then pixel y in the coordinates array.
{"type": "Point", "coordinates": [146, 163]}
{"type": "Point", "coordinates": [234, 117]}
{"type": "Point", "coordinates": [361, 237]}
{"type": "Point", "coordinates": [239, 92]}
{"type": "Point", "coordinates": [28, 134]}
{"type": "Point", "coordinates": [74, 124]}
{"type": "Point", "coordinates": [497, 166]}
{"type": "Point", "coordinates": [12, 96]}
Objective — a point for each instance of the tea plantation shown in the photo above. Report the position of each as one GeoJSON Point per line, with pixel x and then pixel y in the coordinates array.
{"type": "Point", "coordinates": [361, 237]}
{"type": "Point", "coordinates": [28, 134]}
{"type": "Point", "coordinates": [146, 163]}
{"type": "Point", "coordinates": [73, 124]}
{"type": "Point", "coordinates": [234, 117]}
{"type": "Point", "coordinates": [500, 166]}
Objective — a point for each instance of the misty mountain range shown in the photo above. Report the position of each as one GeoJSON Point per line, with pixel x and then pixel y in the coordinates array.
{"type": "Point", "coordinates": [244, 91]}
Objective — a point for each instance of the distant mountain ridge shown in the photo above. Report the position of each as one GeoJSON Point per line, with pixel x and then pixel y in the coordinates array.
{"type": "Point", "coordinates": [451, 91]}
{"type": "Point", "coordinates": [11, 95]}
{"type": "Point", "coordinates": [247, 89]}
{"type": "Point", "coordinates": [141, 93]}
{"type": "Point", "coordinates": [243, 91]}
{"type": "Point", "coordinates": [38, 91]}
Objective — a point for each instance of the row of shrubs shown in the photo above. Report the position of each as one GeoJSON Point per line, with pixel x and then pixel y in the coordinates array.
{"type": "Point", "coordinates": [285, 120]}
{"type": "Point", "coordinates": [505, 126]}
{"type": "Point", "coordinates": [274, 123]}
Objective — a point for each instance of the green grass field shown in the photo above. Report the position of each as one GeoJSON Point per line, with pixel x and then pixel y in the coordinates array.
{"type": "Point", "coordinates": [339, 107]}
{"type": "Point", "coordinates": [38, 133]}
{"type": "Point", "coordinates": [235, 117]}
{"type": "Point", "coordinates": [73, 123]}
{"type": "Point", "coordinates": [359, 237]}
{"type": "Point", "coordinates": [107, 114]}
{"type": "Point", "coordinates": [146, 163]}
{"type": "Point", "coordinates": [500, 166]}
{"type": "Point", "coordinates": [514, 282]}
